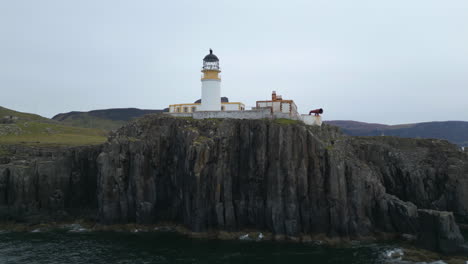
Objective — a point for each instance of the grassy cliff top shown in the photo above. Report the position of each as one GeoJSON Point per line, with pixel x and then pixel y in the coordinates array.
{"type": "Point", "coordinates": [35, 130]}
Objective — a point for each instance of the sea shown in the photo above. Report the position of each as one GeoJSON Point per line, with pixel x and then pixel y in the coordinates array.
{"type": "Point", "coordinates": [79, 245]}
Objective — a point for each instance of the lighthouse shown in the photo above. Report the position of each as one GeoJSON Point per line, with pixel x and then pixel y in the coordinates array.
{"type": "Point", "coordinates": [210, 101]}
{"type": "Point", "coordinates": [211, 84]}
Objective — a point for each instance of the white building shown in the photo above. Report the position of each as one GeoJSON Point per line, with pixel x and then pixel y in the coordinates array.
{"type": "Point", "coordinates": [210, 91]}
{"type": "Point", "coordinates": [278, 105]}
{"type": "Point", "coordinates": [190, 108]}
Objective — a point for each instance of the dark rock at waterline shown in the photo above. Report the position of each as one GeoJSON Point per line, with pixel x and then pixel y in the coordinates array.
{"type": "Point", "coordinates": [244, 174]}
{"type": "Point", "coordinates": [438, 231]}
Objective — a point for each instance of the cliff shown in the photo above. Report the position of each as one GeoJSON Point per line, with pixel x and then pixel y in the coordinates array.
{"type": "Point", "coordinates": [48, 184]}
{"type": "Point", "coordinates": [289, 179]}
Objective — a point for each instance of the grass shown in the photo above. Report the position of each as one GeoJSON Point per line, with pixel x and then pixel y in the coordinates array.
{"type": "Point", "coordinates": [35, 130]}
{"type": "Point", "coordinates": [89, 121]}
{"type": "Point", "coordinates": [201, 139]}
{"type": "Point", "coordinates": [184, 117]}
{"type": "Point", "coordinates": [4, 151]}
{"type": "Point", "coordinates": [48, 133]}
{"type": "Point", "coordinates": [53, 140]}
{"type": "Point", "coordinates": [133, 139]}
{"type": "Point", "coordinates": [22, 116]}
{"type": "Point", "coordinates": [284, 121]}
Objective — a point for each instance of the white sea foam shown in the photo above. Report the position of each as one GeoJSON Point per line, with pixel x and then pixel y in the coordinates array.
{"type": "Point", "coordinates": [244, 237]}
{"type": "Point", "coordinates": [75, 228]}
{"type": "Point", "coordinates": [260, 237]}
{"type": "Point", "coordinates": [394, 255]}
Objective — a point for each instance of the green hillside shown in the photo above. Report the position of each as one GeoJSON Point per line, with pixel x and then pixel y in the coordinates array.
{"type": "Point", "coordinates": [90, 121]}
{"type": "Point", "coordinates": [31, 129]}
{"type": "Point", "coordinates": [22, 116]}
{"type": "Point", "coordinates": [106, 119]}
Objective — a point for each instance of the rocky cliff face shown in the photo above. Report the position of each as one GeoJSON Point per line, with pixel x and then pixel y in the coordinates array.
{"type": "Point", "coordinates": [429, 173]}
{"type": "Point", "coordinates": [289, 179]}
{"type": "Point", "coordinates": [40, 184]}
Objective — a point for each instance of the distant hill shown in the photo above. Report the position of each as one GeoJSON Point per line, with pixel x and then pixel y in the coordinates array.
{"type": "Point", "coordinates": [31, 129]}
{"type": "Point", "coordinates": [107, 119]}
{"type": "Point", "coordinates": [453, 131]}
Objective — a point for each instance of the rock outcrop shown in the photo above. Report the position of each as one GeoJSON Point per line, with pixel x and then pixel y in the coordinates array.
{"type": "Point", "coordinates": [439, 231]}
{"type": "Point", "coordinates": [432, 174]}
{"type": "Point", "coordinates": [48, 184]}
{"type": "Point", "coordinates": [289, 179]}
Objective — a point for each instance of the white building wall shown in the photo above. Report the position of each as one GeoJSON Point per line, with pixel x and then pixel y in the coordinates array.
{"type": "Point", "coordinates": [211, 95]}
{"type": "Point", "coordinates": [232, 106]}
{"type": "Point", "coordinates": [265, 104]}
{"type": "Point", "coordinates": [276, 106]}
{"type": "Point", "coordinates": [286, 107]}
{"type": "Point", "coordinates": [312, 120]}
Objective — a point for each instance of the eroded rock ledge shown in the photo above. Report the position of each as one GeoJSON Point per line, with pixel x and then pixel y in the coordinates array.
{"type": "Point", "coordinates": [288, 179]}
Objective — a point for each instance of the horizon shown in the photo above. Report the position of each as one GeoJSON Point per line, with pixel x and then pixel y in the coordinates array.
{"type": "Point", "coordinates": [386, 63]}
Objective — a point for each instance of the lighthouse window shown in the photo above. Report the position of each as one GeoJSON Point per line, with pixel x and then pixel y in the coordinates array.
{"type": "Point", "coordinates": [194, 108]}
{"type": "Point", "coordinates": [223, 108]}
{"type": "Point", "coordinates": [178, 110]}
{"type": "Point", "coordinates": [185, 109]}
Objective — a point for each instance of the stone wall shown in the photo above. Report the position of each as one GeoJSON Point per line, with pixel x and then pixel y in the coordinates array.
{"type": "Point", "coordinates": [312, 120]}
{"type": "Point", "coordinates": [254, 114]}
{"type": "Point", "coordinates": [251, 114]}
{"type": "Point", "coordinates": [179, 114]}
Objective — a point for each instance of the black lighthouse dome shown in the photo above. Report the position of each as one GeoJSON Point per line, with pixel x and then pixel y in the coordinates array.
{"type": "Point", "coordinates": [211, 57]}
{"type": "Point", "coordinates": [211, 62]}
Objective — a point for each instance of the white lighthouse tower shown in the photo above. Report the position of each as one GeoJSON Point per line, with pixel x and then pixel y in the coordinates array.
{"type": "Point", "coordinates": [211, 84]}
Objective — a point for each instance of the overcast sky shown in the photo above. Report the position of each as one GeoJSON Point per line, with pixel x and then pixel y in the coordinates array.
{"type": "Point", "coordinates": [393, 61]}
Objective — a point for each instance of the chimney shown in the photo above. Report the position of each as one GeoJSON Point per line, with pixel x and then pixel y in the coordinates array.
{"type": "Point", "coordinates": [273, 96]}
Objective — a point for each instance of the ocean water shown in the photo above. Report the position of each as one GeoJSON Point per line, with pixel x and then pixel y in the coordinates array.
{"type": "Point", "coordinates": [113, 247]}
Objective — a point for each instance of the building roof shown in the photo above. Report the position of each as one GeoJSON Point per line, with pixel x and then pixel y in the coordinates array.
{"type": "Point", "coordinates": [211, 57]}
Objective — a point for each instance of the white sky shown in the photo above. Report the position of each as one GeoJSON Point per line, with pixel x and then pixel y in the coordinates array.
{"type": "Point", "coordinates": [394, 61]}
